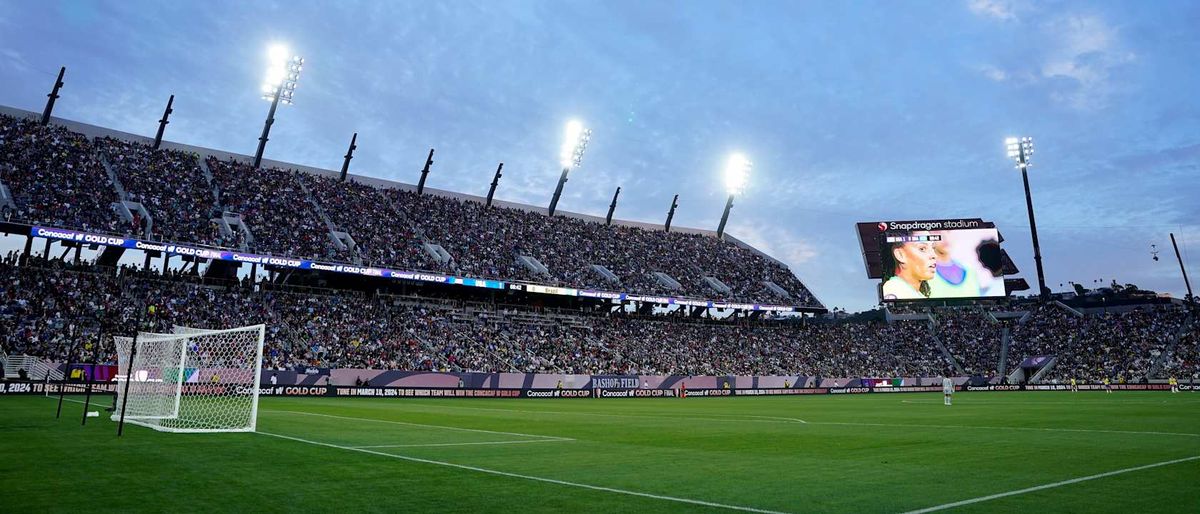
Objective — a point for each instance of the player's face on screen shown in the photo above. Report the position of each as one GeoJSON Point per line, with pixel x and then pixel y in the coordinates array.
{"type": "Point", "coordinates": [917, 261]}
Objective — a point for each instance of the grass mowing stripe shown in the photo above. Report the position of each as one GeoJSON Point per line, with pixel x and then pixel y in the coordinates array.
{"type": "Point", "coordinates": [518, 434]}
{"type": "Point", "coordinates": [1035, 429]}
{"type": "Point", "coordinates": [730, 418]}
{"type": "Point", "coordinates": [462, 444]}
{"type": "Point", "coordinates": [528, 477]}
{"type": "Point", "coordinates": [1050, 486]}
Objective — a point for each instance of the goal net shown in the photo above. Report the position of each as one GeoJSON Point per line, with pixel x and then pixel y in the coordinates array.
{"type": "Point", "coordinates": [192, 380]}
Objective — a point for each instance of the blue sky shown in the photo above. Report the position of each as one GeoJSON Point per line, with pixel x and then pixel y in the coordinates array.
{"type": "Point", "coordinates": [851, 111]}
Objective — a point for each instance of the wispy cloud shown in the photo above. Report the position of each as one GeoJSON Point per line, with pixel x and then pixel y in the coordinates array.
{"type": "Point", "coordinates": [12, 60]}
{"type": "Point", "coordinates": [1088, 53]}
{"type": "Point", "coordinates": [1004, 10]}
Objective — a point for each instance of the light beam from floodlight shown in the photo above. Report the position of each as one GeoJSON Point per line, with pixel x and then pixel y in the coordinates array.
{"type": "Point", "coordinates": [1020, 150]}
{"type": "Point", "coordinates": [737, 174]}
{"type": "Point", "coordinates": [575, 142]}
{"type": "Point", "coordinates": [283, 71]}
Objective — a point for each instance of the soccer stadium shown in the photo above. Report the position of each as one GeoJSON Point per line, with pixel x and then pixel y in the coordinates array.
{"type": "Point", "coordinates": [374, 306]}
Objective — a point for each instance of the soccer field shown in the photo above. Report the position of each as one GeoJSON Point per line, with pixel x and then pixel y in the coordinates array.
{"type": "Point", "coordinates": [1062, 452]}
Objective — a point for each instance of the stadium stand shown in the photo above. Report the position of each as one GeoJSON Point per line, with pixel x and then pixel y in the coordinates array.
{"type": "Point", "coordinates": [123, 187]}
{"type": "Point", "coordinates": [304, 215]}
{"type": "Point", "coordinates": [55, 177]}
{"type": "Point", "coordinates": [41, 299]}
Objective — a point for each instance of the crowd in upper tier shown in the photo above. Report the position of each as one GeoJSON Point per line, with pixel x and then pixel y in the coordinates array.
{"type": "Point", "coordinates": [58, 313]}
{"type": "Point", "coordinates": [55, 177]}
{"type": "Point", "coordinates": [58, 178]}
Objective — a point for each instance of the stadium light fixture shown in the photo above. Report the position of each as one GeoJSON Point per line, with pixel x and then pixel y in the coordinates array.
{"type": "Point", "coordinates": [279, 85]}
{"type": "Point", "coordinates": [283, 71]}
{"type": "Point", "coordinates": [575, 141]}
{"type": "Point", "coordinates": [1020, 149]}
{"type": "Point", "coordinates": [737, 175]}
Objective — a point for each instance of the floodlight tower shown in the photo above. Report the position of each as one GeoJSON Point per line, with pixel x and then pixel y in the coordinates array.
{"type": "Point", "coordinates": [1020, 150]}
{"type": "Point", "coordinates": [737, 173]}
{"type": "Point", "coordinates": [575, 141]}
{"type": "Point", "coordinates": [283, 72]}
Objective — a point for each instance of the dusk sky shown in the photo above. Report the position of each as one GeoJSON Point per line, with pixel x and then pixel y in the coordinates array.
{"type": "Point", "coordinates": [850, 111]}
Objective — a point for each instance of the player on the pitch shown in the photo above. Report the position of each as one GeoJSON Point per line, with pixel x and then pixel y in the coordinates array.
{"type": "Point", "coordinates": [1074, 385]}
{"type": "Point", "coordinates": [947, 390]}
{"type": "Point", "coordinates": [1174, 384]}
{"type": "Point", "coordinates": [1107, 385]}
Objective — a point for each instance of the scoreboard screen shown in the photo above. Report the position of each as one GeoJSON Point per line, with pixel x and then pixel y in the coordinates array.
{"type": "Point", "coordinates": [934, 260]}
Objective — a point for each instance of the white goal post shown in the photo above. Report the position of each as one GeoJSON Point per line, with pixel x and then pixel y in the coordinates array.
{"type": "Point", "coordinates": [193, 380]}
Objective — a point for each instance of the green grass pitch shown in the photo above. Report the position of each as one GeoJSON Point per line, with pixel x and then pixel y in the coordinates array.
{"type": "Point", "coordinates": [865, 453]}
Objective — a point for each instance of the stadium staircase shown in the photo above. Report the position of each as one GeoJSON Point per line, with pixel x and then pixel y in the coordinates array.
{"type": "Point", "coordinates": [605, 273]}
{"type": "Point", "coordinates": [716, 285]}
{"type": "Point", "coordinates": [1005, 340]}
{"type": "Point", "coordinates": [532, 264]}
{"type": "Point", "coordinates": [208, 178]}
{"type": "Point", "coordinates": [666, 280]}
{"type": "Point", "coordinates": [124, 207]}
{"type": "Point", "coordinates": [779, 291]}
{"type": "Point", "coordinates": [1037, 377]}
{"type": "Point", "coordinates": [1161, 361]}
{"type": "Point", "coordinates": [339, 238]}
{"type": "Point", "coordinates": [35, 368]}
{"type": "Point", "coordinates": [945, 351]}
{"type": "Point", "coordinates": [6, 198]}
{"type": "Point", "coordinates": [1068, 308]}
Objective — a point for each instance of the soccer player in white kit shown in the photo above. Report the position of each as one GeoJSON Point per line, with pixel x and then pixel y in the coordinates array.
{"type": "Point", "coordinates": [947, 389]}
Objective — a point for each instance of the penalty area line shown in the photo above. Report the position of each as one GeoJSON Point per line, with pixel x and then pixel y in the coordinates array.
{"type": "Point", "coordinates": [1050, 485]}
{"type": "Point", "coordinates": [527, 477]}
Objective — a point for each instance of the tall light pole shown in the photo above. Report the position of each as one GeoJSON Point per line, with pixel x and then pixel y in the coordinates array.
{"type": "Point", "coordinates": [575, 142]}
{"type": "Point", "coordinates": [280, 84]}
{"type": "Point", "coordinates": [671, 213]}
{"type": "Point", "coordinates": [58, 84]}
{"type": "Point", "coordinates": [612, 207]}
{"type": "Point", "coordinates": [1020, 150]}
{"type": "Point", "coordinates": [737, 173]}
{"type": "Point", "coordinates": [495, 182]}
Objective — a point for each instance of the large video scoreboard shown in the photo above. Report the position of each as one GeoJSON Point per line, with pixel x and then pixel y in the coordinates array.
{"type": "Point", "coordinates": [934, 259]}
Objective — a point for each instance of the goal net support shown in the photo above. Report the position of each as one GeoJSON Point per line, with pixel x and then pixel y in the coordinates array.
{"type": "Point", "coordinates": [192, 380]}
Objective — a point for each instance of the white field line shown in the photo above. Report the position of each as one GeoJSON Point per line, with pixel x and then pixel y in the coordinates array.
{"type": "Point", "coordinates": [1081, 402]}
{"type": "Point", "coordinates": [1049, 486]}
{"type": "Point", "coordinates": [81, 402]}
{"type": "Point", "coordinates": [522, 441]}
{"type": "Point", "coordinates": [518, 434]}
{"type": "Point", "coordinates": [734, 418]}
{"type": "Point", "coordinates": [527, 477]}
{"type": "Point", "coordinates": [1031, 429]}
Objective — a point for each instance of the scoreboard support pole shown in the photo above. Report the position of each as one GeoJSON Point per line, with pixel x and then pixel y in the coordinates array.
{"type": "Point", "coordinates": [1186, 283]}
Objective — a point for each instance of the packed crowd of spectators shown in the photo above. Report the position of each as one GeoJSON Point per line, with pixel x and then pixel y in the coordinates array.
{"type": "Point", "coordinates": [272, 202]}
{"type": "Point", "coordinates": [59, 312]}
{"type": "Point", "coordinates": [972, 336]}
{"type": "Point", "coordinates": [382, 234]}
{"type": "Point", "coordinates": [169, 184]}
{"type": "Point", "coordinates": [485, 241]}
{"type": "Point", "coordinates": [1120, 346]}
{"type": "Point", "coordinates": [1183, 360]}
{"type": "Point", "coordinates": [55, 178]}
{"type": "Point", "coordinates": [45, 309]}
